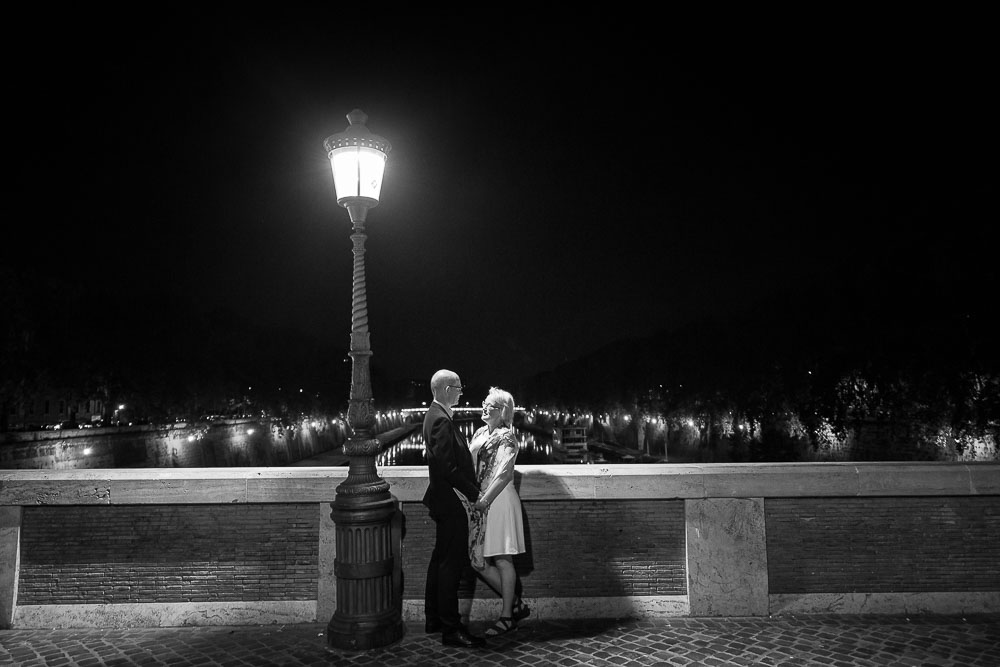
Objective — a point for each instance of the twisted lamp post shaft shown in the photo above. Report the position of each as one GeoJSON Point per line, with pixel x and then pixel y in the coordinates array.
{"type": "Point", "coordinates": [362, 447]}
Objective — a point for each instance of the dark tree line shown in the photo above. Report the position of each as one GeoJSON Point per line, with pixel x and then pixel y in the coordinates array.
{"type": "Point", "coordinates": [909, 350]}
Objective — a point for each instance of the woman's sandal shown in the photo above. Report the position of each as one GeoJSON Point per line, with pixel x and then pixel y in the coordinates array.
{"type": "Point", "coordinates": [503, 625]}
{"type": "Point", "coordinates": [521, 610]}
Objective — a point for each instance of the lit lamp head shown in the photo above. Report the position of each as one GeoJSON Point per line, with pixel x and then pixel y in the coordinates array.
{"type": "Point", "coordinates": [358, 160]}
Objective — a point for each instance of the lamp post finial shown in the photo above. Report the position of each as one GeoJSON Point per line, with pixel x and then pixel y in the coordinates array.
{"type": "Point", "coordinates": [357, 117]}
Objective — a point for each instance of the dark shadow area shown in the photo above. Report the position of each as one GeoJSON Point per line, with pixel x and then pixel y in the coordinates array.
{"type": "Point", "coordinates": [549, 630]}
{"type": "Point", "coordinates": [398, 531]}
{"type": "Point", "coordinates": [523, 563]}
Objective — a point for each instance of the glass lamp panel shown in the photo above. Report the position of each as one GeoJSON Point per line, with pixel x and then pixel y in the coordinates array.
{"type": "Point", "coordinates": [345, 171]}
{"type": "Point", "coordinates": [371, 164]}
{"type": "Point", "coordinates": [357, 171]}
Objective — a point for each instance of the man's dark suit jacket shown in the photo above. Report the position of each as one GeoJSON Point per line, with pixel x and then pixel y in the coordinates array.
{"type": "Point", "coordinates": [449, 465]}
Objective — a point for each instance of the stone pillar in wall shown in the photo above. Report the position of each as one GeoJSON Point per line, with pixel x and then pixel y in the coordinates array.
{"type": "Point", "coordinates": [326, 593]}
{"type": "Point", "coordinates": [727, 557]}
{"type": "Point", "coordinates": [10, 549]}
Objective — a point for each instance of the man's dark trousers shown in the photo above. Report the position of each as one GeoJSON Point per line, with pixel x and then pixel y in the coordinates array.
{"type": "Point", "coordinates": [448, 560]}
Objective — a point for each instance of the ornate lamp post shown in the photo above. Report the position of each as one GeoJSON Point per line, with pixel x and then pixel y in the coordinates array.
{"type": "Point", "coordinates": [368, 611]}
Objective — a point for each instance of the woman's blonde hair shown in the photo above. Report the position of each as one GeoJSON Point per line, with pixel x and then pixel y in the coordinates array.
{"type": "Point", "coordinates": [498, 396]}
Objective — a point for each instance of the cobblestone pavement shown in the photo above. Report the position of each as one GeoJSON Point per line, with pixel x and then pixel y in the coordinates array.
{"type": "Point", "coordinates": [838, 641]}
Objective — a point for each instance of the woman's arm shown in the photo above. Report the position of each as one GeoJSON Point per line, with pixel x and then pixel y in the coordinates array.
{"type": "Point", "coordinates": [502, 476]}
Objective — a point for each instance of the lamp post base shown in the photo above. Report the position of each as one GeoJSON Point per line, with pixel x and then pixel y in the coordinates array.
{"type": "Point", "coordinates": [352, 635]}
{"type": "Point", "coordinates": [368, 568]}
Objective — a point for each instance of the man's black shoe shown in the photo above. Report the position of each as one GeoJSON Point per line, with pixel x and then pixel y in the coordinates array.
{"type": "Point", "coordinates": [463, 639]}
{"type": "Point", "coordinates": [430, 627]}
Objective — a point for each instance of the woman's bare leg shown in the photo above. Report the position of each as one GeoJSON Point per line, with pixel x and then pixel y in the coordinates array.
{"type": "Point", "coordinates": [508, 581]}
{"type": "Point", "coordinates": [491, 575]}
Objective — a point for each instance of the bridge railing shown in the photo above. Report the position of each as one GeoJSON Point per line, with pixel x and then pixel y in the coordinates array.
{"type": "Point", "coordinates": [159, 547]}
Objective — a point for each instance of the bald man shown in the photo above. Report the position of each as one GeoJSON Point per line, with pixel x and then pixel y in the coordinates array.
{"type": "Point", "coordinates": [450, 469]}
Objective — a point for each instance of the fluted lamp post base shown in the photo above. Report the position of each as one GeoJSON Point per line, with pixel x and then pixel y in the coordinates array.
{"type": "Point", "coordinates": [367, 565]}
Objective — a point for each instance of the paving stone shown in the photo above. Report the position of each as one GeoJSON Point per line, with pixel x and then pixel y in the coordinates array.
{"type": "Point", "coordinates": [803, 641]}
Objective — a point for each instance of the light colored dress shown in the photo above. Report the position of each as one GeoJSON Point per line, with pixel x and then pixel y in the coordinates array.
{"type": "Point", "coordinates": [500, 530]}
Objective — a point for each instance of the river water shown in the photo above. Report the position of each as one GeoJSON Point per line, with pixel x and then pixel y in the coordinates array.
{"type": "Point", "coordinates": [533, 449]}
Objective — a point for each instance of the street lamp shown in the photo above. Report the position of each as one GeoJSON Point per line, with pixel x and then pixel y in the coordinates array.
{"type": "Point", "coordinates": [367, 567]}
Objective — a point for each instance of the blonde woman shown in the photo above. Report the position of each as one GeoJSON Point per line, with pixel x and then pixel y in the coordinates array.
{"type": "Point", "coordinates": [496, 531]}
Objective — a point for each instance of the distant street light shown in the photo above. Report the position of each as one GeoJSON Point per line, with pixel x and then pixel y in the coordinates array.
{"type": "Point", "coordinates": [367, 567]}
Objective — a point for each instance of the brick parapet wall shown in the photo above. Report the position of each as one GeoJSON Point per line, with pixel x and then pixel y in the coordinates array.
{"type": "Point", "coordinates": [114, 555]}
{"type": "Point", "coordinates": [594, 532]}
{"type": "Point", "coordinates": [154, 554]}
{"type": "Point", "coordinates": [578, 549]}
{"type": "Point", "coordinates": [881, 545]}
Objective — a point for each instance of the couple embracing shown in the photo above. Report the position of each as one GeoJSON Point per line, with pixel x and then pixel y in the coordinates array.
{"type": "Point", "coordinates": [475, 507]}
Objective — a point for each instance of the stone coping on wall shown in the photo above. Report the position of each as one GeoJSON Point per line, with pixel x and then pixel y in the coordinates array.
{"type": "Point", "coordinates": [172, 486]}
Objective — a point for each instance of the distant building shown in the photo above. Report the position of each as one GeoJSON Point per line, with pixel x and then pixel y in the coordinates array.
{"type": "Point", "coordinates": [52, 411]}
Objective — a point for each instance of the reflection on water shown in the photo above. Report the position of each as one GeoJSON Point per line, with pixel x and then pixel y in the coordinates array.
{"type": "Point", "coordinates": [533, 449]}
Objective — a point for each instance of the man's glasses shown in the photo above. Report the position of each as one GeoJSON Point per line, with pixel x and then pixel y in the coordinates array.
{"type": "Point", "coordinates": [460, 387]}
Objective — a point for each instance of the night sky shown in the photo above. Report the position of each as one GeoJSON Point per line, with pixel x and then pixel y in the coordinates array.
{"type": "Point", "coordinates": [553, 186]}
